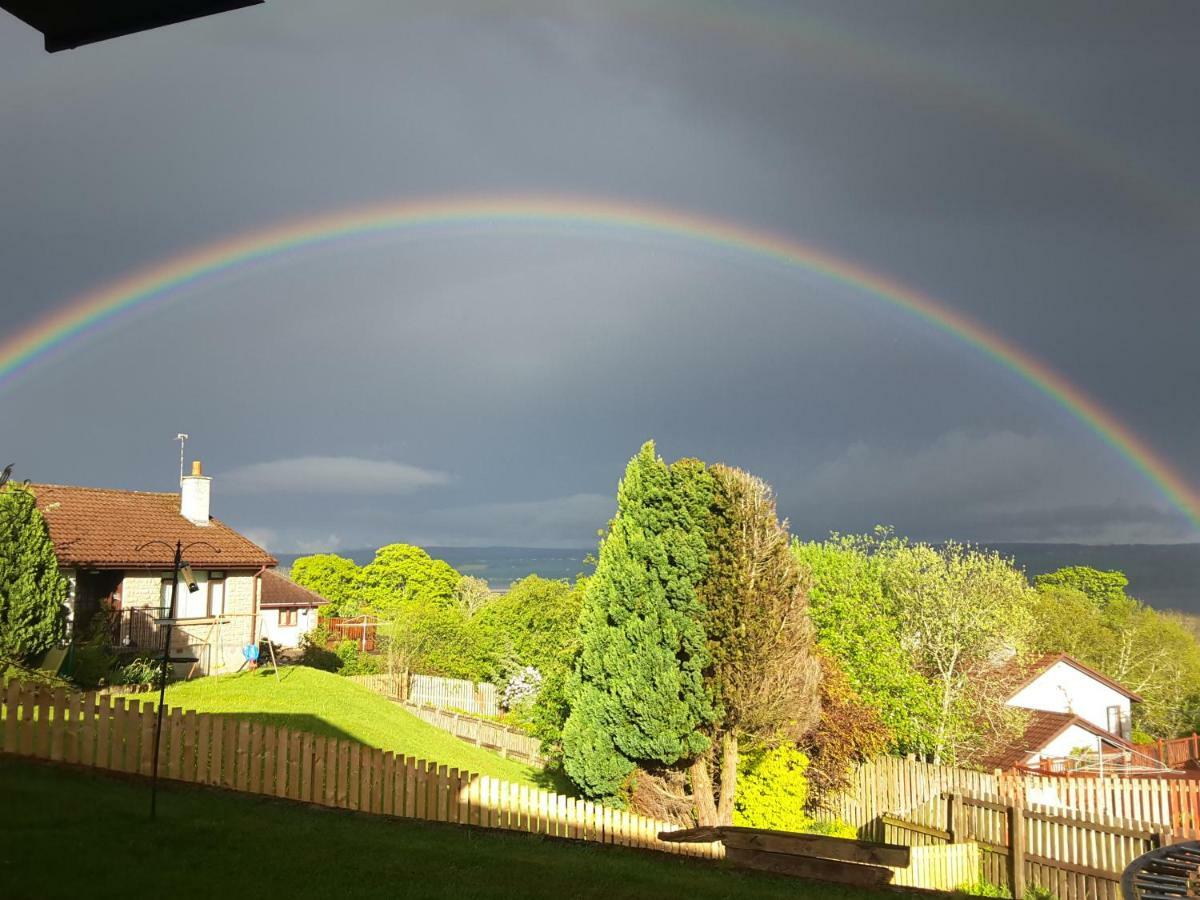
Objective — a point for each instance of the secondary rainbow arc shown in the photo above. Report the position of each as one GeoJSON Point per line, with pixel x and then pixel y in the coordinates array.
{"type": "Point", "coordinates": [90, 312]}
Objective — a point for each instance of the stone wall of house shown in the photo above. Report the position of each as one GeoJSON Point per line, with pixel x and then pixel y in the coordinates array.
{"type": "Point", "coordinates": [217, 642]}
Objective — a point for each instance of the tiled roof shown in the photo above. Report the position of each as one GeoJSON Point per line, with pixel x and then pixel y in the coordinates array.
{"type": "Point", "coordinates": [279, 591]}
{"type": "Point", "coordinates": [1024, 674]}
{"type": "Point", "coordinates": [102, 528]}
{"type": "Point", "coordinates": [1041, 728]}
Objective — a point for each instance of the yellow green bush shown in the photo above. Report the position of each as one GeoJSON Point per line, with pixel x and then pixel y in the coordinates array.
{"type": "Point", "coordinates": [772, 792]}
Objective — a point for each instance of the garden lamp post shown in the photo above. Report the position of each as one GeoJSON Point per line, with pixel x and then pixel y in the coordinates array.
{"type": "Point", "coordinates": [179, 566]}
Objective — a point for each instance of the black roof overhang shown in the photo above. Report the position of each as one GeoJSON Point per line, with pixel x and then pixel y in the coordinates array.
{"type": "Point", "coordinates": [71, 23]}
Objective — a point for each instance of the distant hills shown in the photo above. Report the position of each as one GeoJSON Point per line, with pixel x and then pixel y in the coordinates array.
{"type": "Point", "coordinates": [1166, 576]}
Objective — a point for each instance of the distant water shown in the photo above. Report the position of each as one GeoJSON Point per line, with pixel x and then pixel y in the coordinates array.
{"type": "Point", "coordinates": [1166, 576]}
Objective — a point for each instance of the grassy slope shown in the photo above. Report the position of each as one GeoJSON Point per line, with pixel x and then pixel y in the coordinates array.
{"type": "Point", "coordinates": [327, 704]}
{"type": "Point", "coordinates": [71, 834]}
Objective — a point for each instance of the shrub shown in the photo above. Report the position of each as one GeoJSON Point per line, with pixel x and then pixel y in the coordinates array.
{"type": "Point", "coordinates": [142, 670]}
{"type": "Point", "coordinates": [772, 789]}
{"type": "Point", "coordinates": [521, 688]}
{"type": "Point", "coordinates": [772, 792]}
{"type": "Point", "coordinates": [354, 661]}
{"type": "Point", "coordinates": [315, 653]}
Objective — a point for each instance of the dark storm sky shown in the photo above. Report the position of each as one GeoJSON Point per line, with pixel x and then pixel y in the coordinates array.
{"type": "Point", "coordinates": [1032, 165]}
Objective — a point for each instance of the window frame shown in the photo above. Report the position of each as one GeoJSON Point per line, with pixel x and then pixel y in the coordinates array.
{"type": "Point", "coordinates": [293, 617]}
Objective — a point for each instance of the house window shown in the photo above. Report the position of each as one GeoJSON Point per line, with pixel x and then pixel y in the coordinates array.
{"type": "Point", "coordinates": [216, 593]}
{"type": "Point", "coordinates": [287, 618]}
{"type": "Point", "coordinates": [209, 600]}
{"type": "Point", "coordinates": [1115, 720]}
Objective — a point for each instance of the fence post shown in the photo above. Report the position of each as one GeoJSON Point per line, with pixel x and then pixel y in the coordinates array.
{"type": "Point", "coordinates": [954, 817]}
{"type": "Point", "coordinates": [1016, 845]}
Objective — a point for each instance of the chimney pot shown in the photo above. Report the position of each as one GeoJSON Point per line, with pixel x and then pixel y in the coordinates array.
{"type": "Point", "coordinates": [194, 495]}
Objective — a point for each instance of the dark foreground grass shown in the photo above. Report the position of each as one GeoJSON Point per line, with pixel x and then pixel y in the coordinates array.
{"type": "Point", "coordinates": [69, 833]}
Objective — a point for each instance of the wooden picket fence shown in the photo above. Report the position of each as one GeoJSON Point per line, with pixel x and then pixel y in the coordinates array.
{"type": "Point", "coordinates": [506, 741]}
{"type": "Point", "coordinates": [896, 785]}
{"type": "Point", "coordinates": [1070, 836]}
{"type": "Point", "coordinates": [478, 698]}
{"type": "Point", "coordinates": [117, 733]}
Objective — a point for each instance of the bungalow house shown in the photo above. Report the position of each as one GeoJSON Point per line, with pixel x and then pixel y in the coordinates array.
{"type": "Point", "coordinates": [116, 549]}
{"type": "Point", "coordinates": [288, 610]}
{"type": "Point", "coordinates": [1071, 709]}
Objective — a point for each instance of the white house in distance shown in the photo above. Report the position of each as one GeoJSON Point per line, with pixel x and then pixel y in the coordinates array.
{"type": "Point", "coordinates": [289, 611]}
{"type": "Point", "coordinates": [116, 548]}
{"type": "Point", "coordinates": [1071, 708]}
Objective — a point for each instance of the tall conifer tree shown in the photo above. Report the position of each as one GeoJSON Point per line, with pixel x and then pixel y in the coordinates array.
{"type": "Point", "coordinates": [638, 694]}
{"type": "Point", "coordinates": [32, 590]}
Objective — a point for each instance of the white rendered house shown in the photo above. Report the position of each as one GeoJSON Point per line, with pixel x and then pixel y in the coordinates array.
{"type": "Point", "coordinates": [1072, 710]}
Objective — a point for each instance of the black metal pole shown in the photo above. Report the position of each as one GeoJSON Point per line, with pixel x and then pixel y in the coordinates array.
{"type": "Point", "coordinates": [162, 687]}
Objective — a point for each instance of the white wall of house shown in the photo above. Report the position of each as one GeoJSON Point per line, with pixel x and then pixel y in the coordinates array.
{"type": "Point", "coordinates": [216, 640]}
{"type": "Point", "coordinates": [288, 635]}
{"type": "Point", "coordinates": [1073, 739]}
{"type": "Point", "coordinates": [1063, 688]}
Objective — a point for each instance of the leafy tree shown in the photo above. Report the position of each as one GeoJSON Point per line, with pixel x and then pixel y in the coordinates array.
{"type": "Point", "coordinates": [32, 590]}
{"type": "Point", "coordinates": [402, 573]}
{"type": "Point", "coordinates": [764, 674]}
{"type": "Point", "coordinates": [638, 694]}
{"type": "Point", "coordinates": [1086, 613]}
{"type": "Point", "coordinates": [961, 610]}
{"type": "Point", "coordinates": [472, 595]}
{"type": "Point", "coordinates": [857, 625]}
{"type": "Point", "coordinates": [849, 732]}
{"type": "Point", "coordinates": [534, 622]}
{"type": "Point", "coordinates": [1104, 588]}
{"type": "Point", "coordinates": [337, 579]}
{"type": "Point", "coordinates": [434, 638]}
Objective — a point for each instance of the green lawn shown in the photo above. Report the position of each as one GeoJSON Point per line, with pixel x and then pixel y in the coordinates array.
{"type": "Point", "coordinates": [327, 704]}
{"type": "Point", "coordinates": [71, 834]}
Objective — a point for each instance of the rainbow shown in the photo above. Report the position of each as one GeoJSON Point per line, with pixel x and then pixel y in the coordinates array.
{"type": "Point", "coordinates": [91, 312]}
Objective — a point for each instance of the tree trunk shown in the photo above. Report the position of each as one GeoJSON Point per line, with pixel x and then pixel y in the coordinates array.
{"type": "Point", "coordinates": [729, 764]}
{"type": "Point", "coordinates": [702, 792]}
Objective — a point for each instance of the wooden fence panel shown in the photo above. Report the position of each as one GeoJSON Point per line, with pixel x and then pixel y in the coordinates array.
{"type": "Point", "coordinates": [112, 732]}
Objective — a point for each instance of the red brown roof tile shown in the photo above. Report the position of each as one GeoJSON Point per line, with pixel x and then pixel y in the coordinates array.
{"type": "Point", "coordinates": [280, 592]}
{"type": "Point", "coordinates": [1041, 728]}
{"type": "Point", "coordinates": [102, 528]}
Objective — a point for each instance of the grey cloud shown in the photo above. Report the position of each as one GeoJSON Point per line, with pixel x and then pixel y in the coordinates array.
{"type": "Point", "coordinates": [342, 475]}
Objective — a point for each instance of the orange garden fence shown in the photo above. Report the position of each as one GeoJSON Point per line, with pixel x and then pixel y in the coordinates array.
{"type": "Point", "coordinates": [117, 734]}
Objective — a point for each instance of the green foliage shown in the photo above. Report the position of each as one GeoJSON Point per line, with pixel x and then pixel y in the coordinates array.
{"type": "Point", "coordinates": [32, 590]}
{"type": "Point", "coordinates": [354, 661]}
{"type": "Point", "coordinates": [760, 641]}
{"type": "Point", "coordinates": [435, 638]}
{"type": "Point", "coordinates": [772, 789]}
{"type": "Point", "coordinates": [535, 621]}
{"type": "Point", "coordinates": [401, 574]}
{"type": "Point", "coordinates": [142, 670]}
{"type": "Point", "coordinates": [984, 888]}
{"type": "Point", "coordinates": [848, 733]}
{"type": "Point", "coordinates": [773, 792]}
{"type": "Point", "coordinates": [858, 626]}
{"type": "Point", "coordinates": [916, 628]}
{"type": "Point", "coordinates": [959, 610]}
{"type": "Point", "coordinates": [1086, 613]}
{"type": "Point", "coordinates": [337, 579]}
{"type": "Point", "coordinates": [638, 692]}
{"type": "Point", "coordinates": [1103, 588]}
{"type": "Point", "coordinates": [472, 595]}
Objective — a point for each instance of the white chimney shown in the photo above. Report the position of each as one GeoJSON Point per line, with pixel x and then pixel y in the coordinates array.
{"type": "Point", "coordinates": [194, 492]}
